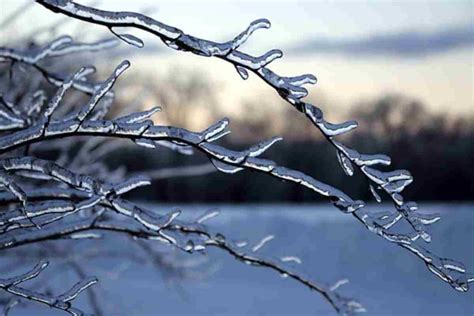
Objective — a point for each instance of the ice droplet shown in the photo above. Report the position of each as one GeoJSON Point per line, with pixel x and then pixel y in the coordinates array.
{"type": "Point", "coordinates": [244, 74]}
{"type": "Point", "coordinates": [189, 246]}
{"type": "Point", "coordinates": [220, 238]}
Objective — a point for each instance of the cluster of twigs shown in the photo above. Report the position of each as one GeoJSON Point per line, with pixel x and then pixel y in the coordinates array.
{"type": "Point", "coordinates": [71, 199]}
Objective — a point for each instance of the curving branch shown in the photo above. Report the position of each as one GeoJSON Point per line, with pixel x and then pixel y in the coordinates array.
{"type": "Point", "coordinates": [79, 192]}
{"type": "Point", "coordinates": [61, 46]}
{"type": "Point", "coordinates": [199, 239]}
{"type": "Point", "coordinates": [60, 302]}
{"type": "Point", "coordinates": [291, 89]}
{"type": "Point", "coordinates": [69, 198]}
{"type": "Point", "coordinates": [137, 128]}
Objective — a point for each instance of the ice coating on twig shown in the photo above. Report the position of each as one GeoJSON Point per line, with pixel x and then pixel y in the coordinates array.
{"type": "Point", "coordinates": [207, 216]}
{"type": "Point", "coordinates": [346, 164]}
{"type": "Point", "coordinates": [373, 190]}
{"type": "Point", "coordinates": [138, 116]}
{"type": "Point", "coordinates": [262, 243]}
{"type": "Point", "coordinates": [288, 87]}
{"type": "Point", "coordinates": [338, 284]}
{"type": "Point", "coordinates": [129, 39]}
{"type": "Point", "coordinates": [137, 128]}
{"type": "Point", "coordinates": [60, 302]}
{"type": "Point", "coordinates": [291, 259]}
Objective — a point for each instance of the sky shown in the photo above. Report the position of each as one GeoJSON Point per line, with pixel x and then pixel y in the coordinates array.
{"type": "Point", "coordinates": [357, 49]}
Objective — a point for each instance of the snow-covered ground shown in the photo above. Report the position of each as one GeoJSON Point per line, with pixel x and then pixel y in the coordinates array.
{"type": "Point", "coordinates": [384, 277]}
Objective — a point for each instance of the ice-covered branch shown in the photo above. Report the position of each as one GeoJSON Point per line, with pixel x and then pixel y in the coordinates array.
{"type": "Point", "coordinates": [69, 198]}
{"type": "Point", "coordinates": [146, 134]}
{"type": "Point", "coordinates": [62, 46]}
{"type": "Point", "coordinates": [224, 159]}
{"type": "Point", "coordinates": [60, 302]}
{"type": "Point", "coordinates": [196, 238]}
{"type": "Point", "coordinates": [291, 89]}
{"type": "Point", "coordinates": [132, 128]}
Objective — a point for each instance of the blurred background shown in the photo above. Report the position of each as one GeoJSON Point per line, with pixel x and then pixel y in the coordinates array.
{"type": "Point", "coordinates": [402, 69]}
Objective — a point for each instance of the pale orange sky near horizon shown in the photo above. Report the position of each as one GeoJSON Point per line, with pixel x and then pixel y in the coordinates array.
{"type": "Point", "coordinates": [441, 82]}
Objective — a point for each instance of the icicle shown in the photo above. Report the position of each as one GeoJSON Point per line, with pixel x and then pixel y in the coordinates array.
{"type": "Point", "coordinates": [313, 113]}
{"type": "Point", "coordinates": [453, 265]}
{"type": "Point", "coordinates": [145, 142]}
{"type": "Point", "coordinates": [362, 159]}
{"type": "Point", "coordinates": [224, 167]}
{"type": "Point", "coordinates": [73, 292]}
{"type": "Point", "coordinates": [397, 186]}
{"type": "Point", "coordinates": [170, 217]}
{"type": "Point", "coordinates": [397, 198]}
{"type": "Point", "coordinates": [138, 116]}
{"type": "Point", "coordinates": [375, 194]}
{"type": "Point", "coordinates": [220, 238]}
{"type": "Point", "coordinates": [254, 62]}
{"type": "Point", "coordinates": [216, 130]}
{"type": "Point", "coordinates": [102, 91]}
{"type": "Point", "coordinates": [428, 219]}
{"type": "Point", "coordinates": [189, 246]}
{"type": "Point", "coordinates": [242, 37]}
{"type": "Point", "coordinates": [291, 259]}
{"type": "Point", "coordinates": [301, 80]}
{"type": "Point", "coordinates": [382, 178]}
{"type": "Point", "coordinates": [207, 216]}
{"type": "Point", "coordinates": [132, 184]}
{"type": "Point", "coordinates": [392, 220]}
{"type": "Point", "coordinates": [338, 284]}
{"type": "Point", "coordinates": [129, 39]}
{"type": "Point", "coordinates": [330, 129]}
{"type": "Point", "coordinates": [260, 148]}
{"type": "Point", "coordinates": [345, 163]}
{"type": "Point", "coordinates": [262, 243]}
{"type": "Point", "coordinates": [411, 206]}
{"type": "Point", "coordinates": [199, 248]}
{"type": "Point", "coordinates": [243, 73]}
{"type": "Point", "coordinates": [53, 104]}
{"type": "Point", "coordinates": [241, 244]}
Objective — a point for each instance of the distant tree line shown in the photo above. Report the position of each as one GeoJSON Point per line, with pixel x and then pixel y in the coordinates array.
{"type": "Point", "coordinates": [436, 148]}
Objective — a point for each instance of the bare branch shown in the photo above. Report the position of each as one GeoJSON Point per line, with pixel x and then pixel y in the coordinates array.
{"type": "Point", "coordinates": [61, 302]}
{"type": "Point", "coordinates": [71, 199]}
{"type": "Point", "coordinates": [290, 89]}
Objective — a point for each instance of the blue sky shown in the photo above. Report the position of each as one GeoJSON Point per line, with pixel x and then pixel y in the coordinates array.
{"type": "Point", "coordinates": [420, 48]}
